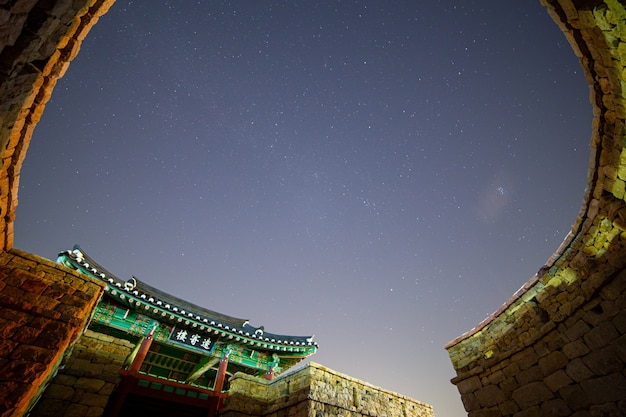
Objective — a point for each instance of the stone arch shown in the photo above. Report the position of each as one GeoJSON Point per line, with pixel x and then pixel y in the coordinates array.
{"type": "Point", "coordinates": [578, 292]}
{"type": "Point", "coordinates": [38, 40]}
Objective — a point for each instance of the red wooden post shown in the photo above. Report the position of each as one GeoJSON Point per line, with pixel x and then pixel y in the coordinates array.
{"type": "Point", "coordinates": [143, 351]}
{"type": "Point", "coordinates": [221, 372]}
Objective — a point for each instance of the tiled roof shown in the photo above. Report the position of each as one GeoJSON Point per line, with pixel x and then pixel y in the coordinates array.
{"type": "Point", "coordinates": [152, 300]}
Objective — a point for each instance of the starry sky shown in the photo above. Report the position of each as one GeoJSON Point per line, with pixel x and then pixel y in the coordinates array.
{"type": "Point", "coordinates": [381, 174]}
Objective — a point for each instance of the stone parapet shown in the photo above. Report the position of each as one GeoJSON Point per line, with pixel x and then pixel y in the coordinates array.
{"type": "Point", "coordinates": [44, 308]}
{"type": "Point", "coordinates": [315, 391]}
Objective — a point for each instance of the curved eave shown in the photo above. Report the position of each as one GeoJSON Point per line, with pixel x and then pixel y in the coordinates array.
{"type": "Point", "coordinates": [135, 297]}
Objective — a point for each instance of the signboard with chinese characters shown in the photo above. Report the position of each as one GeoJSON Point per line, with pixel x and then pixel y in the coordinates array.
{"type": "Point", "coordinates": [192, 338]}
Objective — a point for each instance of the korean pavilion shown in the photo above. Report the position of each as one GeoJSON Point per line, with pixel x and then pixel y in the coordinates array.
{"type": "Point", "coordinates": [181, 348]}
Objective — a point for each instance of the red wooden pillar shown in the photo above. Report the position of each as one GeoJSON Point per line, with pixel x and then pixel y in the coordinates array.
{"type": "Point", "coordinates": [221, 372]}
{"type": "Point", "coordinates": [143, 351]}
{"type": "Point", "coordinates": [269, 375]}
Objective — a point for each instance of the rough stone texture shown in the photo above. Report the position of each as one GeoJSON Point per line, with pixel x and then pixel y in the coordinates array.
{"type": "Point", "coordinates": [316, 391]}
{"type": "Point", "coordinates": [89, 376]}
{"type": "Point", "coordinates": [561, 338]}
{"type": "Point", "coordinates": [43, 310]}
{"type": "Point", "coordinates": [38, 39]}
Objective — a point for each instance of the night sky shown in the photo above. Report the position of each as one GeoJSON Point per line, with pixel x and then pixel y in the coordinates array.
{"type": "Point", "coordinates": [382, 174]}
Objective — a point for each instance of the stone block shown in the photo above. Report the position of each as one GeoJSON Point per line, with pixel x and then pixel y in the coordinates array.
{"type": "Point", "coordinates": [552, 362]}
{"type": "Point", "coordinates": [59, 392]}
{"type": "Point", "coordinates": [34, 354]}
{"type": "Point", "coordinates": [469, 385]}
{"type": "Point", "coordinates": [532, 394]}
{"type": "Point", "coordinates": [94, 400]}
{"type": "Point", "coordinates": [26, 334]}
{"type": "Point", "coordinates": [8, 328]}
{"type": "Point", "coordinates": [575, 398]}
{"type": "Point", "coordinates": [490, 395]}
{"type": "Point", "coordinates": [600, 336]}
{"type": "Point", "coordinates": [578, 330]}
{"type": "Point", "coordinates": [63, 379]}
{"type": "Point", "coordinates": [76, 410]}
{"type": "Point", "coordinates": [508, 408]}
{"type": "Point", "coordinates": [575, 349]}
{"type": "Point", "coordinates": [603, 361]}
{"type": "Point", "coordinates": [94, 412]}
{"type": "Point", "coordinates": [555, 408]}
{"type": "Point", "coordinates": [577, 370]}
{"type": "Point", "coordinates": [530, 375]}
{"type": "Point", "coordinates": [34, 286]}
{"type": "Point", "coordinates": [50, 407]}
{"type": "Point", "coordinates": [557, 380]}
{"type": "Point", "coordinates": [91, 385]}
{"type": "Point", "coordinates": [609, 388]}
{"type": "Point", "coordinates": [26, 371]}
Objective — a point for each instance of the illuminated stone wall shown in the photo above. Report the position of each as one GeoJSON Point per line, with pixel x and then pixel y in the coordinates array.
{"type": "Point", "coordinates": [317, 391]}
{"type": "Point", "coordinates": [88, 377]}
{"type": "Point", "coordinates": [558, 346]}
{"type": "Point", "coordinates": [554, 348]}
{"type": "Point", "coordinates": [43, 310]}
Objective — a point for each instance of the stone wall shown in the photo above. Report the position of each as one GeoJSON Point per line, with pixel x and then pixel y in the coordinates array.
{"type": "Point", "coordinates": [43, 310]}
{"type": "Point", "coordinates": [38, 39]}
{"type": "Point", "coordinates": [316, 391]}
{"type": "Point", "coordinates": [83, 385]}
{"type": "Point", "coordinates": [558, 346]}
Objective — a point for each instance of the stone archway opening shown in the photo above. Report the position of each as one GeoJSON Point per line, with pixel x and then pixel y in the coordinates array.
{"type": "Point", "coordinates": [575, 300]}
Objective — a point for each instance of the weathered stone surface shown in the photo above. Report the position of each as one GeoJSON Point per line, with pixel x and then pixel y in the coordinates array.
{"type": "Point", "coordinates": [532, 394]}
{"type": "Point", "coordinates": [32, 343]}
{"type": "Point", "coordinates": [569, 319]}
{"type": "Point", "coordinates": [316, 390]}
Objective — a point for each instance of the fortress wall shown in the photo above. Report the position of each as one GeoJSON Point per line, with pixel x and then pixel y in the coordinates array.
{"type": "Point", "coordinates": [316, 391]}
{"type": "Point", "coordinates": [558, 346]}
{"type": "Point", "coordinates": [87, 379]}
{"type": "Point", "coordinates": [43, 310]}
